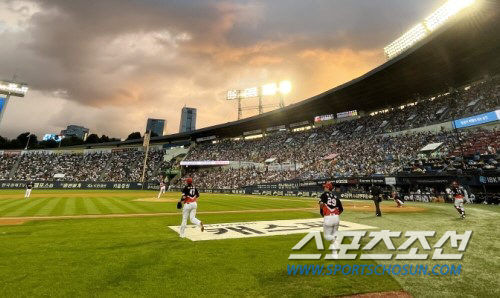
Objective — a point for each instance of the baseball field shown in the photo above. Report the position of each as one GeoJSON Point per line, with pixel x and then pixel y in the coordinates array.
{"type": "Point", "coordinates": [124, 243]}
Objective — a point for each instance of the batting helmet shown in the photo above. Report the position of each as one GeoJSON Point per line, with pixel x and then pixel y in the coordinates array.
{"type": "Point", "coordinates": [328, 185]}
{"type": "Point", "coordinates": [189, 180]}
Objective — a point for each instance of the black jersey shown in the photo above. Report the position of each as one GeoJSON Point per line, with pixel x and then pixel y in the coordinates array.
{"type": "Point", "coordinates": [29, 185]}
{"type": "Point", "coordinates": [331, 204]}
{"type": "Point", "coordinates": [458, 193]}
{"type": "Point", "coordinates": [190, 194]}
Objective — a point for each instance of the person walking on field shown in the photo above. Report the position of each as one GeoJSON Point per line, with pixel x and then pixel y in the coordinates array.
{"type": "Point", "coordinates": [189, 197]}
{"type": "Point", "coordinates": [330, 209]}
{"type": "Point", "coordinates": [162, 187]}
{"type": "Point", "coordinates": [29, 187]}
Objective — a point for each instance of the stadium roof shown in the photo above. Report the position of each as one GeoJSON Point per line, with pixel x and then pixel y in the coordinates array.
{"type": "Point", "coordinates": [464, 50]}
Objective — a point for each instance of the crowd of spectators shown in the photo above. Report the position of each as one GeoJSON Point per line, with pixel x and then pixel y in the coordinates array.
{"type": "Point", "coordinates": [469, 152]}
{"type": "Point", "coordinates": [6, 164]}
{"type": "Point", "coordinates": [229, 178]}
{"type": "Point", "coordinates": [74, 166]}
{"type": "Point", "coordinates": [127, 165]}
{"type": "Point", "coordinates": [363, 146]}
{"type": "Point", "coordinates": [117, 166]}
{"type": "Point", "coordinates": [354, 156]}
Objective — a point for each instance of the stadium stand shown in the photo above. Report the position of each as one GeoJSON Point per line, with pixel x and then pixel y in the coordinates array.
{"type": "Point", "coordinates": [362, 145]}
{"type": "Point", "coordinates": [117, 166]}
{"type": "Point", "coordinates": [366, 146]}
{"type": "Point", "coordinates": [6, 164]}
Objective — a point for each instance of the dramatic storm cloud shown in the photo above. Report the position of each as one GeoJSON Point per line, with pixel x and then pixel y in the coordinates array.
{"type": "Point", "coordinates": [109, 65]}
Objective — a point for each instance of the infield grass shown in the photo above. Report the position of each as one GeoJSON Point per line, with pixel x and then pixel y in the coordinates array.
{"type": "Point", "coordinates": [142, 257]}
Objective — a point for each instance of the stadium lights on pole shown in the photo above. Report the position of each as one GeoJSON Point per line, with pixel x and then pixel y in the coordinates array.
{"type": "Point", "coordinates": [426, 27]}
{"type": "Point", "coordinates": [28, 142]}
{"type": "Point", "coordinates": [283, 88]}
{"type": "Point", "coordinates": [10, 89]}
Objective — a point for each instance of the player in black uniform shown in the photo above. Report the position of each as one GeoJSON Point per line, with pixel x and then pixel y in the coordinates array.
{"type": "Point", "coordinates": [29, 187]}
{"type": "Point", "coordinates": [377, 198]}
{"type": "Point", "coordinates": [189, 197]}
{"type": "Point", "coordinates": [330, 209]}
{"type": "Point", "coordinates": [459, 195]}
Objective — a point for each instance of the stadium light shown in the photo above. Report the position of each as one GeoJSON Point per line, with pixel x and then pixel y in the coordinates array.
{"type": "Point", "coordinates": [285, 87]}
{"type": "Point", "coordinates": [233, 94]}
{"type": "Point", "coordinates": [442, 14]}
{"type": "Point", "coordinates": [14, 89]}
{"type": "Point", "coordinates": [10, 89]}
{"type": "Point", "coordinates": [423, 29]}
{"type": "Point", "coordinates": [269, 89]}
{"type": "Point", "coordinates": [250, 92]}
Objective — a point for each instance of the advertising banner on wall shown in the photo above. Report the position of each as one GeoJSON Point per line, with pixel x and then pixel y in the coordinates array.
{"type": "Point", "coordinates": [11, 184]}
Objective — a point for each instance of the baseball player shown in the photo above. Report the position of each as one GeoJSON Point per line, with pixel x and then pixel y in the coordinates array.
{"type": "Point", "coordinates": [399, 201]}
{"type": "Point", "coordinates": [189, 196]}
{"type": "Point", "coordinates": [162, 187]}
{"type": "Point", "coordinates": [459, 195]}
{"type": "Point", "coordinates": [29, 187]}
{"type": "Point", "coordinates": [330, 209]}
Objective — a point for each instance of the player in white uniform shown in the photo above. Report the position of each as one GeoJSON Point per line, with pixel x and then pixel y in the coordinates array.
{"type": "Point", "coordinates": [190, 197]}
{"type": "Point", "coordinates": [330, 209]}
{"type": "Point", "coordinates": [399, 201]}
{"type": "Point", "coordinates": [162, 187]}
{"type": "Point", "coordinates": [29, 187]}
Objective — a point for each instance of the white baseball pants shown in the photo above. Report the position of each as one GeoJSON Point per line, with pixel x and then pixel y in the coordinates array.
{"type": "Point", "coordinates": [189, 210]}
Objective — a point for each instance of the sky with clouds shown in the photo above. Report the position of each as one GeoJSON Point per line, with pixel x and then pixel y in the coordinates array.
{"type": "Point", "coordinates": [109, 65]}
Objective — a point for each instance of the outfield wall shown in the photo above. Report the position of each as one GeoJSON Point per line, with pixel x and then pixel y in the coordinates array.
{"type": "Point", "coordinates": [17, 184]}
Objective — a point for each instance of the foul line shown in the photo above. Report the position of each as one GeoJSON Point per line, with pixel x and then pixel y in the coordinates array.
{"type": "Point", "coordinates": [28, 218]}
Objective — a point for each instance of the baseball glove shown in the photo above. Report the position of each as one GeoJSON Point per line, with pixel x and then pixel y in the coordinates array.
{"type": "Point", "coordinates": [179, 205]}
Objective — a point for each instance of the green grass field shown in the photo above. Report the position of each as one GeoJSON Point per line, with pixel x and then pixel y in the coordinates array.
{"type": "Point", "coordinates": [52, 254]}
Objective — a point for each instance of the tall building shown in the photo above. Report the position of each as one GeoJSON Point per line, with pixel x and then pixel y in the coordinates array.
{"type": "Point", "coordinates": [156, 125]}
{"type": "Point", "coordinates": [75, 131]}
{"type": "Point", "coordinates": [188, 119]}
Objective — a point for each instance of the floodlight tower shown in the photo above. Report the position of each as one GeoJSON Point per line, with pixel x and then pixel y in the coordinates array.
{"type": "Point", "coordinates": [10, 89]}
{"type": "Point", "coordinates": [280, 89]}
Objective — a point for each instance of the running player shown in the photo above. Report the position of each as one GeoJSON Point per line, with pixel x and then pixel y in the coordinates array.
{"type": "Point", "coordinates": [190, 196]}
{"type": "Point", "coordinates": [29, 187]}
{"type": "Point", "coordinates": [162, 187]}
{"type": "Point", "coordinates": [331, 208]}
{"type": "Point", "coordinates": [459, 195]}
{"type": "Point", "coordinates": [399, 201]}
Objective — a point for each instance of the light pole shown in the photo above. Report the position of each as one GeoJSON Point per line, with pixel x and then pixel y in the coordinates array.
{"type": "Point", "coordinates": [10, 89]}
{"type": "Point", "coordinates": [28, 142]}
{"type": "Point", "coordinates": [147, 137]}
{"type": "Point", "coordinates": [282, 88]}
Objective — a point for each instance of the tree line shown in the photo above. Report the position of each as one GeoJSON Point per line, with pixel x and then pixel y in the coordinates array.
{"type": "Point", "coordinates": [22, 140]}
